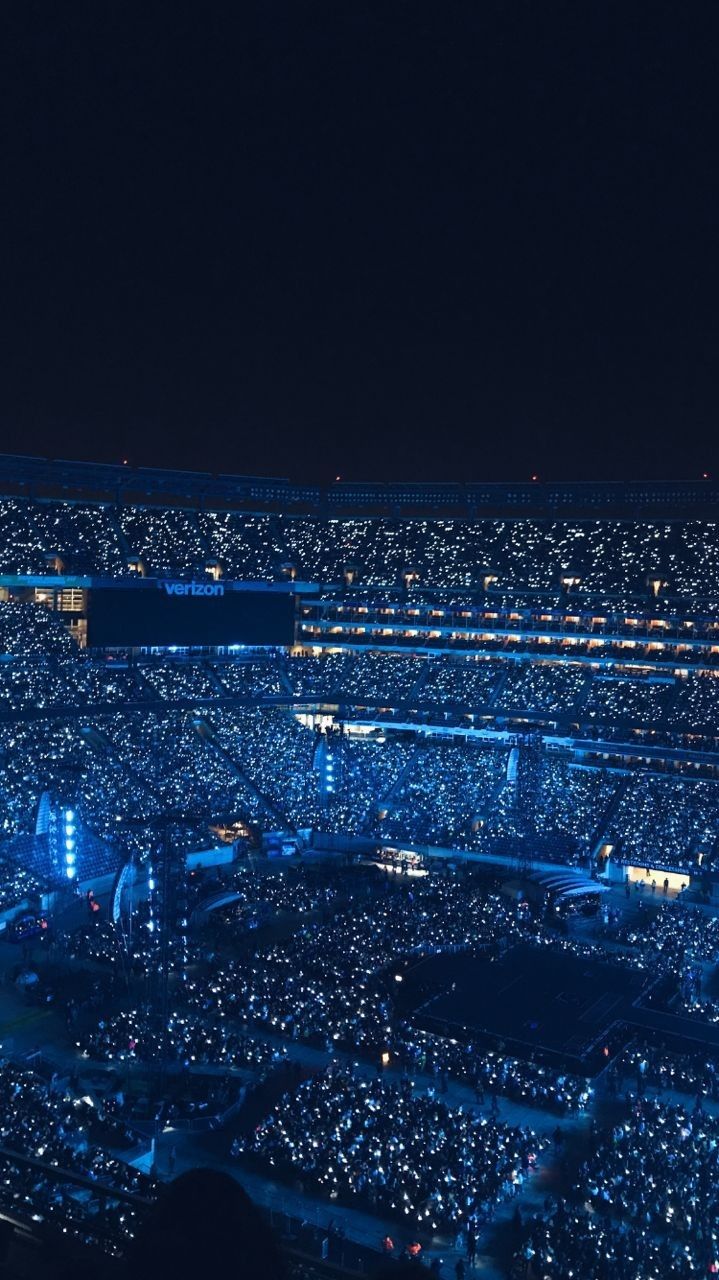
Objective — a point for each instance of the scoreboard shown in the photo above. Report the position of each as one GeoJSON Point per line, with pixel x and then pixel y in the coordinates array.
{"type": "Point", "coordinates": [163, 613]}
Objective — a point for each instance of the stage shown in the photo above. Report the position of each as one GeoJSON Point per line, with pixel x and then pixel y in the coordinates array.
{"type": "Point", "coordinates": [533, 1000]}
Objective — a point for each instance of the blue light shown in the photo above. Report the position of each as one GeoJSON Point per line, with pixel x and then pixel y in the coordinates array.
{"type": "Point", "coordinates": [70, 873]}
{"type": "Point", "coordinates": [151, 884]}
{"type": "Point", "coordinates": [69, 815]}
{"type": "Point", "coordinates": [70, 844]}
{"type": "Point", "coordinates": [70, 859]}
{"type": "Point", "coordinates": [69, 828]}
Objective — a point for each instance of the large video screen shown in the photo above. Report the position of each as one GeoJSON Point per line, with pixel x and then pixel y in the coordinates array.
{"type": "Point", "coordinates": [187, 614]}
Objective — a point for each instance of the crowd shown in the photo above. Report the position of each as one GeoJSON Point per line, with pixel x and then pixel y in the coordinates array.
{"type": "Point", "coordinates": [103, 943]}
{"type": "Point", "coordinates": [696, 703]}
{"type": "Point", "coordinates": [47, 1122]}
{"type": "Point", "coordinates": [276, 756]}
{"type": "Point", "coordinates": [692, 1004]}
{"type": "Point", "coordinates": [524, 554]}
{"type": "Point", "coordinates": [566, 1242]}
{"type": "Point", "coordinates": [131, 768]}
{"type": "Point", "coordinates": [188, 1040]}
{"type": "Point", "coordinates": [666, 821]}
{"type": "Point", "coordinates": [658, 1167]}
{"type": "Point", "coordinates": [18, 882]}
{"type": "Point", "coordinates": [167, 541]}
{"type": "Point", "coordinates": [674, 930]}
{"type": "Point", "coordinates": [34, 534]}
{"type": "Point", "coordinates": [334, 984]}
{"type": "Point", "coordinates": [490, 1074]}
{"type": "Point", "coordinates": [399, 1147]}
{"type": "Point", "coordinates": [363, 777]}
{"type": "Point", "coordinates": [446, 797]}
{"type": "Point", "coordinates": [649, 1066]}
{"type": "Point", "coordinates": [198, 781]}
{"type": "Point", "coordinates": [560, 809]}
{"type": "Point", "coordinates": [175, 681]}
{"type": "Point", "coordinates": [245, 545]}
{"type": "Point", "coordinates": [470, 683]}
{"type": "Point", "coordinates": [325, 983]}
{"type": "Point", "coordinates": [29, 631]}
{"type": "Point", "coordinates": [298, 889]}
{"type": "Point", "coordinates": [41, 665]}
{"type": "Point", "coordinates": [542, 686]}
{"type": "Point", "coordinates": [642, 701]}
{"type": "Point", "coordinates": [377, 678]}
{"type": "Point", "coordinates": [400, 1154]}
{"type": "Point", "coordinates": [643, 1204]}
{"type": "Point", "coordinates": [458, 794]}
{"type": "Point", "coordinates": [244, 678]}
{"type": "Point", "coordinates": [262, 767]}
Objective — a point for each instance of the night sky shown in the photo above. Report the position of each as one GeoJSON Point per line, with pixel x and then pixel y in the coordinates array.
{"type": "Point", "coordinates": [383, 241]}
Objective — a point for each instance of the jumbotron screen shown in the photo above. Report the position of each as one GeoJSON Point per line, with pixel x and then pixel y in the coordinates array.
{"type": "Point", "coordinates": [187, 614]}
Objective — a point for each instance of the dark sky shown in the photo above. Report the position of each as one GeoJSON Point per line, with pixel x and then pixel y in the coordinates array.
{"type": "Point", "coordinates": [380, 240]}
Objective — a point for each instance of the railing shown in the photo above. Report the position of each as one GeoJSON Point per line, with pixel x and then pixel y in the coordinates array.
{"type": "Point", "coordinates": [52, 1202]}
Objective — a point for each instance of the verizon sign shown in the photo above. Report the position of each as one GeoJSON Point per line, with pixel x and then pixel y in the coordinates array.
{"type": "Point", "coordinates": [192, 588]}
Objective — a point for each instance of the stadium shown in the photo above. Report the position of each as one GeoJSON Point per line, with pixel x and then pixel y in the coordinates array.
{"type": "Point", "coordinates": [297, 784]}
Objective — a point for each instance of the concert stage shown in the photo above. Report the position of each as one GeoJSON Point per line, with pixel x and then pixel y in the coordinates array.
{"type": "Point", "coordinates": [554, 1004]}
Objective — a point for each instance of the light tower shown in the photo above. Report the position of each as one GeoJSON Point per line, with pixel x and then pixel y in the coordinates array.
{"type": "Point", "coordinates": [69, 829]}
{"type": "Point", "coordinates": [167, 921]}
{"type": "Point", "coordinates": [59, 815]}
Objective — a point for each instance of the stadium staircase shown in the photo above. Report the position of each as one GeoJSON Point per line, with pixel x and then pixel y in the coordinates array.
{"type": "Point", "coordinates": [214, 679]}
{"type": "Point", "coordinates": [583, 694]}
{"type": "Point", "coordinates": [419, 683]}
{"type": "Point", "coordinates": [124, 545]}
{"type": "Point", "coordinates": [319, 762]}
{"type": "Point", "coordinates": [713, 859]}
{"type": "Point", "coordinates": [285, 681]}
{"type": "Point", "coordinates": [191, 517]}
{"type": "Point", "coordinates": [104, 747]}
{"type": "Point", "coordinates": [205, 731]}
{"type": "Point", "coordinates": [498, 690]}
{"type": "Point", "coordinates": [671, 700]}
{"type": "Point", "coordinates": [148, 689]}
{"type": "Point", "coordinates": [387, 798]}
{"type": "Point", "coordinates": [600, 830]}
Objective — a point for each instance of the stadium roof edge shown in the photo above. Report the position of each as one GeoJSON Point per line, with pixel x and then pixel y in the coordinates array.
{"type": "Point", "coordinates": [47, 477]}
